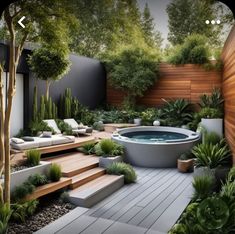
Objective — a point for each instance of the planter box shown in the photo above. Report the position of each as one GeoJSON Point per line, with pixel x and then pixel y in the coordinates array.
{"type": "Point", "coordinates": [137, 121]}
{"type": "Point", "coordinates": [185, 165]}
{"type": "Point", "coordinates": [107, 161]}
{"type": "Point", "coordinates": [19, 177]}
{"type": "Point", "coordinates": [213, 125]}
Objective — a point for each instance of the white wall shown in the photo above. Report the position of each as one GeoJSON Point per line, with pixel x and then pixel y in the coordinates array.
{"type": "Point", "coordinates": [17, 114]}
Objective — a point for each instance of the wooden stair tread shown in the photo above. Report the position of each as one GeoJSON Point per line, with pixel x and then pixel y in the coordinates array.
{"type": "Point", "coordinates": [49, 188]}
{"type": "Point", "coordinates": [94, 186]}
{"type": "Point", "coordinates": [86, 174]}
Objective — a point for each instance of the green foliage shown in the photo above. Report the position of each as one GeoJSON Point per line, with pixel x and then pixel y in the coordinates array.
{"type": "Point", "coordinates": [176, 112]}
{"type": "Point", "coordinates": [108, 148]}
{"type": "Point", "coordinates": [231, 174]}
{"type": "Point", "coordinates": [38, 180]}
{"type": "Point", "coordinates": [88, 148]}
{"type": "Point", "coordinates": [210, 113]}
{"type": "Point", "coordinates": [35, 127]}
{"type": "Point", "coordinates": [35, 104]}
{"type": "Point", "coordinates": [228, 190]}
{"type": "Point", "coordinates": [203, 186]}
{"type": "Point", "coordinates": [64, 127]}
{"type": "Point", "coordinates": [194, 50]}
{"type": "Point", "coordinates": [213, 213]}
{"type": "Point", "coordinates": [121, 168]}
{"type": "Point", "coordinates": [212, 156]}
{"type": "Point", "coordinates": [99, 126]}
{"type": "Point", "coordinates": [141, 74]}
{"type": "Point", "coordinates": [179, 229]}
{"type": "Point", "coordinates": [215, 100]}
{"type": "Point", "coordinates": [55, 172]}
{"type": "Point", "coordinates": [186, 155]}
{"type": "Point", "coordinates": [48, 63]}
{"type": "Point", "coordinates": [23, 210]}
{"type": "Point", "coordinates": [5, 215]}
{"type": "Point", "coordinates": [21, 191]}
{"type": "Point", "coordinates": [210, 138]}
{"type": "Point", "coordinates": [33, 157]}
{"type": "Point", "coordinates": [148, 116]}
{"type": "Point", "coordinates": [42, 108]}
{"type": "Point", "coordinates": [187, 17]}
{"type": "Point", "coordinates": [64, 197]}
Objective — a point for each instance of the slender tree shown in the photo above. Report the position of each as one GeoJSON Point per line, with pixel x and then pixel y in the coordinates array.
{"type": "Point", "coordinates": [151, 35]}
{"type": "Point", "coordinates": [47, 20]}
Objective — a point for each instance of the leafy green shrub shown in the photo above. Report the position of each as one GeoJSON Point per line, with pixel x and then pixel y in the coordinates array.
{"type": "Point", "coordinates": [33, 157]}
{"type": "Point", "coordinates": [38, 180]}
{"type": "Point", "coordinates": [215, 100]}
{"type": "Point", "coordinates": [64, 197]}
{"type": "Point", "coordinates": [64, 127]}
{"type": "Point", "coordinates": [176, 112]}
{"type": "Point", "coordinates": [231, 174]}
{"type": "Point", "coordinates": [228, 190]}
{"type": "Point", "coordinates": [148, 116]}
{"type": "Point", "coordinates": [23, 210]}
{"type": "Point", "coordinates": [107, 147]}
{"type": "Point", "coordinates": [186, 155]}
{"type": "Point", "coordinates": [213, 213]}
{"type": "Point", "coordinates": [99, 126]}
{"type": "Point", "coordinates": [210, 113]}
{"type": "Point", "coordinates": [211, 138]}
{"type": "Point", "coordinates": [194, 50]}
{"type": "Point", "coordinates": [121, 168]}
{"type": "Point", "coordinates": [88, 148]}
{"type": "Point", "coordinates": [179, 228]}
{"type": "Point", "coordinates": [55, 172]}
{"type": "Point", "coordinates": [141, 73]}
{"type": "Point", "coordinates": [203, 186]}
{"type": "Point", "coordinates": [5, 215]}
{"type": "Point", "coordinates": [38, 126]}
{"type": "Point", "coordinates": [21, 191]}
{"type": "Point", "coordinates": [212, 156]}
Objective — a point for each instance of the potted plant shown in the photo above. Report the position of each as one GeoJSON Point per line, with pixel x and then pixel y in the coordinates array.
{"type": "Point", "coordinates": [109, 152]}
{"type": "Point", "coordinates": [185, 162]}
{"type": "Point", "coordinates": [211, 158]}
{"type": "Point", "coordinates": [211, 119]}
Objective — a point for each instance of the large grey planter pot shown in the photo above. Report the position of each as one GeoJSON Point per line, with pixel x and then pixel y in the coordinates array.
{"type": "Point", "coordinates": [213, 125]}
{"type": "Point", "coordinates": [137, 121]}
{"type": "Point", "coordinates": [107, 161]}
{"type": "Point", "coordinates": [203, 171]}
{"type": "Point", "coordinates": [19, 177]}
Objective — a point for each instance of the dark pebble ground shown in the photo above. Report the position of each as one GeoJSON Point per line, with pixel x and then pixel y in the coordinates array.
{"type": "Point", "coordinates": [47, 212]}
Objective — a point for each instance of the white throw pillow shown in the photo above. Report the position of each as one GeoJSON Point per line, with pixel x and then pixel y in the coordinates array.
{"type": "Point", "coordinates": [17, 140]}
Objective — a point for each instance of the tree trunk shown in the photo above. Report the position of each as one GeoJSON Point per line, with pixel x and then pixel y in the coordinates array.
{"type": "Point", "coordinates": [2, 118]}
{"type": "Point", "coordinates": [48, 83]}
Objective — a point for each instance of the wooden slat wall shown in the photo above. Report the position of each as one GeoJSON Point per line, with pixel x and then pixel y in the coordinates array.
{"type": "Point", "coordinates": [228, 86]}
{"type": "Point", "coordinates": [188, 81]}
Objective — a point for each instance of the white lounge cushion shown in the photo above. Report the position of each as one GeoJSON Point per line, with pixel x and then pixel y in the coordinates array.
{"type": "Point", "coordinates": [57, 140]}
{"type": "Point", "coordinates": [17, 140]}
{"type": "Point", "coordinates": [25, 146]}
{"type": "Point", "coordinates": [79, 131]}
{"type": "Point", "coordinates": [43, 141]}
{"type": "Point", "coordinates": [72, 123]}
{"type": "Point", "coordinates": [52, 124]}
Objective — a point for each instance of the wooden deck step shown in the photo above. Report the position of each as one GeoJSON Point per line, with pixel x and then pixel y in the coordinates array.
{"type": "Point", "coordinates": [86, 177]}
{"type": "Point", "coordinates": [78, 168]}
{"type": "Point", "coordinates": [94, 191]}
{"type": "Point", "coordinates": [49, 188]}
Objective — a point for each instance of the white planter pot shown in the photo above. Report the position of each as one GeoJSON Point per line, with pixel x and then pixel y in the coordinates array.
{"type": "Point", "coordinates": [19, 177]}
{"type": "Point", "coordinates": [213, 125]}
{"type": "Point", "coordinates": [107, 161]}
{"type": "Point", "coordinates": [203, 171]}
{"type": "Point", "coordinates": [137, 121]}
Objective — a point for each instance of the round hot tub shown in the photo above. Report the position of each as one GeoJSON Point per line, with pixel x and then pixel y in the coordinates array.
{"type": "Point", "coordinates": [157, 147]}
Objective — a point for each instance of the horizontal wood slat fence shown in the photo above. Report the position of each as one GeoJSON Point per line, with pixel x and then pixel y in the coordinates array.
{"type": "Point", "coordinates": [228, 86]}
{"type": "Point", "coordinates": [188, 81]}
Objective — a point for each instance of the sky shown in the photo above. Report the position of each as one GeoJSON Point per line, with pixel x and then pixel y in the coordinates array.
{"type": "Point", "coordinates": [158, 11]}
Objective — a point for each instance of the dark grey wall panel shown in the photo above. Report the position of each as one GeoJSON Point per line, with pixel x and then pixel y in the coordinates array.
{"type": "Point", "coordinates": [86, 78]}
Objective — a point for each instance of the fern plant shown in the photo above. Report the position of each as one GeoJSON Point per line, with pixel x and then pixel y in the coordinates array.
{"type": "Point", "coordinates": [87, 149]}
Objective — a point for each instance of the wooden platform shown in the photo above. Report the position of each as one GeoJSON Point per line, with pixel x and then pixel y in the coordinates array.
{"type": "Point", "coordinates": [49, 188]}
{"type": "Point", "coordinates": [113, 127]}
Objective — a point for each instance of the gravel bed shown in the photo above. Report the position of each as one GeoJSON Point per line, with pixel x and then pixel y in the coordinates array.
{"type": "Point", "coordinates": [46, 214]}
{"type": "Point", "coordinates": [16, 168]}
